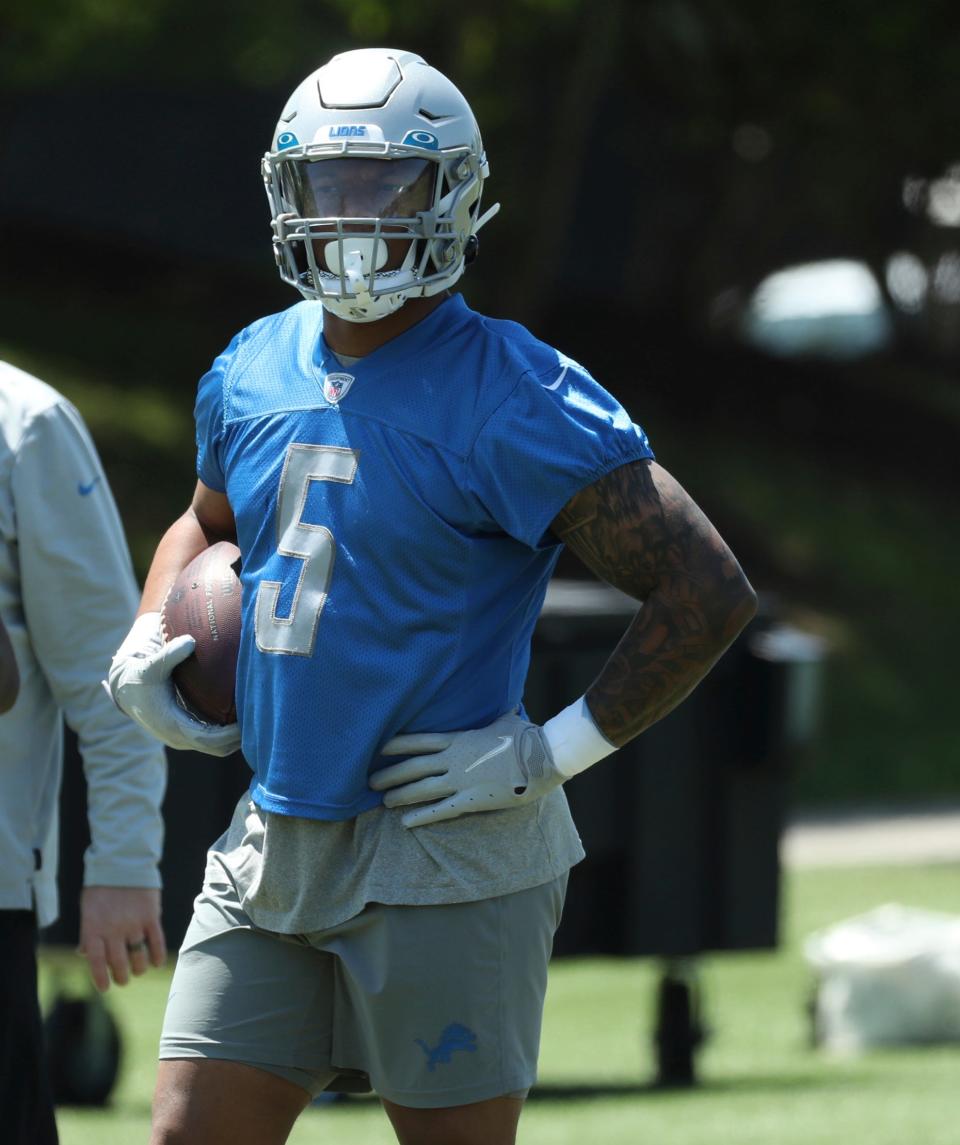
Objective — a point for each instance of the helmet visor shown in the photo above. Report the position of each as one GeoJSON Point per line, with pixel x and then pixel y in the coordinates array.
{"type": "Point", "coordinates": [359, 188]}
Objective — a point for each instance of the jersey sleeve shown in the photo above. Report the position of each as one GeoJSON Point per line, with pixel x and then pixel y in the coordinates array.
{"type": "Point", "coordinates": [79, 597]}
{"type": "Point", "coordinates": [551, 437]}
{"type": "Point", "coordinates": [208, 417]}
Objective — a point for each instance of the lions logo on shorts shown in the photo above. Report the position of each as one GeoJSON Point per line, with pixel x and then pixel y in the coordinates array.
{"type": "Point", "coordinates": [454, 1037]}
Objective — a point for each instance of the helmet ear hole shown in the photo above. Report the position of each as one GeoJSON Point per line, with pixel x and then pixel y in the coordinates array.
{"type": "Point", "coordinates": [471, 249]}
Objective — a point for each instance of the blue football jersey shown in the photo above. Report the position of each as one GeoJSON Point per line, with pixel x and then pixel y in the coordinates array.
{"type": "Point", "coordinates": [394, 519]}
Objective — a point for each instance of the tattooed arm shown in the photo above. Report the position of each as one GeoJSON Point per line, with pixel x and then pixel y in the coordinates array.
{"type": "Point", "coordinates": [637, 529]}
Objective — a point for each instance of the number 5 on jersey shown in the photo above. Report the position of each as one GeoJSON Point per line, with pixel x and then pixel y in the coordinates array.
{"type": "Point", "coordinates": [313, 544]}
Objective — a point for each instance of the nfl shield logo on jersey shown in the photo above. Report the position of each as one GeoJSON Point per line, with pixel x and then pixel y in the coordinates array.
{"type": "Point", "coordinates": [335, 386]}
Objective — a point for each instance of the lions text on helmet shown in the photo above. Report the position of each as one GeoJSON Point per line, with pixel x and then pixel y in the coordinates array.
{"type": "Point", "coordinates": [374, 180]}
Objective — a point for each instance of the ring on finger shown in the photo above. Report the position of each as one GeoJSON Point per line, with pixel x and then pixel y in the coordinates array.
{"type": "Point", "coordinates": [137, 947]}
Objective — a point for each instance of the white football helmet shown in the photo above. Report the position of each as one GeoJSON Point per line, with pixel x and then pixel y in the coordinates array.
{"type": "Point", "coordinates": [374, 179]}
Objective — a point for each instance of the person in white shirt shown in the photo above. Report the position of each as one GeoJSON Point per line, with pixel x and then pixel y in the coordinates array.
{"type": "Point", "coordinates": [67, 595]}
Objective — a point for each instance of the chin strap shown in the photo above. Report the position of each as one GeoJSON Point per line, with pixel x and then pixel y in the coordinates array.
{"type": "Point", "coordinates": [357, 259]}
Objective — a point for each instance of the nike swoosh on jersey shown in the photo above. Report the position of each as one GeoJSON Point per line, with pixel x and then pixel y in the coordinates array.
{"type": "Point", "coordinates": [505, 742]}
{"type": "Point", "coordinates": [86, 490]}
{"type": "Point", "coordinates": [556, 384]}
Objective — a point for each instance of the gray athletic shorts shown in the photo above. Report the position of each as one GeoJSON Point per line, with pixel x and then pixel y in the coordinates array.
{"type": "Point", "coordinates": [430, 1006]}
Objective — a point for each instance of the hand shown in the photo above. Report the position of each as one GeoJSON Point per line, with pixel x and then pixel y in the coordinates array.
{"type": "Point", "coordinates": [504, 765]}
{"type": "Point", "coordinates": [120, 932]}
{"type": "Point", "coordinates": [140, 683]}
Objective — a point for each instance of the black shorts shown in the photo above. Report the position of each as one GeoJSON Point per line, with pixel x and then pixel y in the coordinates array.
{"type": "Point", "coordinates": [25, 1096]}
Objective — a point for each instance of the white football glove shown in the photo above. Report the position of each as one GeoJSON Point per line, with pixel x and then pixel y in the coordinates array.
{"type": "Point", "coordinates": [506, 764]}
{"type": "Point", "coordinates": [140, 683]}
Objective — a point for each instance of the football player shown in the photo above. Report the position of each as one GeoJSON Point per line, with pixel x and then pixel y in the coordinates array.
{"type": "Point", "coordinates": [400, 473]}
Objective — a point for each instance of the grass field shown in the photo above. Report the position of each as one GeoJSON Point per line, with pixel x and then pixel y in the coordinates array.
{"type": "Point", "coordinates": [760, 1082]}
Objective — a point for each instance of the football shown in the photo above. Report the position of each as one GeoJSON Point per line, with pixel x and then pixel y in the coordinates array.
{"type": "Point", "coordinates": [204, 602]}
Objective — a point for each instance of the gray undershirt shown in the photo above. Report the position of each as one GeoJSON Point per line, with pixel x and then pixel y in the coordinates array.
{"type": "Point", "coordinates": [345, 360]}
{"type": "Point", "coordinates": [296, 875]}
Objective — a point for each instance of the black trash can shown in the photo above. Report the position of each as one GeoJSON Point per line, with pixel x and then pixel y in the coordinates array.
{"type": "Point", "coordinates": [682, 826]}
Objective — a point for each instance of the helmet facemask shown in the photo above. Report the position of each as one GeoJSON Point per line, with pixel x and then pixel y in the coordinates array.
{"type": "Point", "coordinates": [364, 226]}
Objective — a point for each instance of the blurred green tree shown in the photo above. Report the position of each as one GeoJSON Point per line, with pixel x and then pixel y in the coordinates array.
{"type": "Point", "coordinates": [659, 151]}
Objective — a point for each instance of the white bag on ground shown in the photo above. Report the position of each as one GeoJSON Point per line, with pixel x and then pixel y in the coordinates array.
{"type": "Point", "coordinates": [891, 976]}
